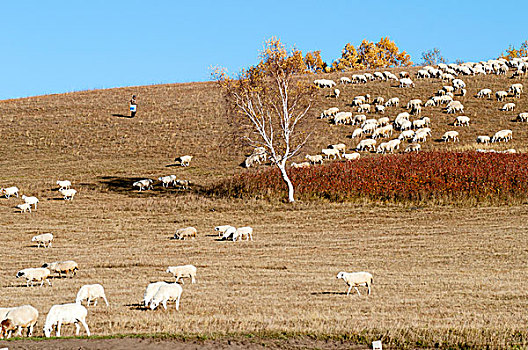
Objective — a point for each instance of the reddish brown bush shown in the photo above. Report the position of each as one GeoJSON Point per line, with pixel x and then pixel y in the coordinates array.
{"type": "Point", "coordinates": [427, 176]}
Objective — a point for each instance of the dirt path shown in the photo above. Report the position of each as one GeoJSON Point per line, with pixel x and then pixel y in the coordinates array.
{"type": "Point", "coordinates": [162, 344]}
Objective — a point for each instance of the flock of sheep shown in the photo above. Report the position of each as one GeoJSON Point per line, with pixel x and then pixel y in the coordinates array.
{"type": "Point", "coordinates": [416, 131]}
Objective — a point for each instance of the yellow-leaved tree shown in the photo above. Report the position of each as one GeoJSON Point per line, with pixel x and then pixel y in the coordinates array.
{"type": "Point", "coordinates": [512, 52]}
{"type": "Point", "coordinates": [314, 62]}
{"type": "Point", "coordinates": [271, 99]}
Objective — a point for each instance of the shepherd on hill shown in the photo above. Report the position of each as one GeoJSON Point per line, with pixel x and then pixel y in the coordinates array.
{"type": "Point", "coordinates": [133, 106]}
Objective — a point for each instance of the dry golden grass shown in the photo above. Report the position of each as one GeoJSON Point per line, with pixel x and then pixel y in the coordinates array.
{"type": "Point", "coordinates": [446, 275]}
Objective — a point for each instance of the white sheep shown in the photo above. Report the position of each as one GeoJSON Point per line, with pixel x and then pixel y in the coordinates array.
{"type": "Point", "coordinates": [331, 152]}
{"type": "Point", "coordinates": [64, 184]}
{"type": "Point", "coordinates": [501, 95]}
{"type": "Point", "coordinates": [450, 135]}
{"type": "Point", "coordinates": [393, 145]}
{"type": "Point", "coordinates": [4, 311]}
{"type": "Point", "coordinates": [145, 184]}
{"type": "Point", "coordinates": [383, 121]}
{"type": "Point", "coordinates": [382, 147]}
{"type": "Point", "coordinates": [182, 233]}
{"type": "Point", "coordinates": [183, 271]}
{"type": "Point", "coordinates": [68, 193]}
{"type": "Point", "coordinates": [24, 207]}
{"type": "Point", "coordinates": [61, 267]}
{"type": "Point", "coordinates": [357, 133]}
{"type": "Point", "coordinates": [44, 238]}
{"type": "Point", "coordinates": [454, 106]}
{"type": "Point", "coordinates": [502, 135]}
{"type": "Point", "coordinates": [223, 228]}
{"type": "Point", "coordinates": [413, 147]}
{"type": "Point", "coordinates": [364, 108]}
{"type": "Point", "coordinates": [516, 89]}
{"type": "Point", "coordinates": [229, 233]}
{"type": "Point", "coordinates": [166, 180]}
{"type": "Point", "coordinates": [461, 121]}
{"type": "Point", "coordinates": [165, 293]}
{"type": "Point", "coordinates": [184, 160]}
{"type": "Point", "coordinates": [34, 274]}
{"type": "Point", "coordinates": [378, 100]}
{"type": "Point", "coordinates": [330, 112]}
{"type": "Point", "coordinates": [508, 107]}
{"type": "Point", "coordinates": [345, 80]}
{"type": "Point", "coordinates": [406, 82]}
{"type": "Point", "coordinates": [24, 316]}
{"type": "Point", "coordinates": [366, 144]}
{"type": "Point", "coordinates": [360, 118]}
{"type": "Point", "coordinates": [341, 147]}
{"type": "Point", "coordinates": [484, 93]}
{"type": "Point", "coordinates": [522, 117]}
{"type": "Point", "coordinates": [315, 159]}
{"type": "Point", "coordinates": [414, 102]}
{"type": "Point", "coordinates": [406, 135]}
{"type": "Point", "coordinates": [184, 184]}
{"type": "Point", "coordinates": [9, 191]}
{"type": "Point", "coordinates": [392, 102]}
{"type": "Point", "coordinates": [300, 165]}
{"type": "Point", "coordinates": [65, 314]}
{"type": "Point", "coordinates": [356, 279]}
{"type": "Point", "coordinates": [380, 109]}
{"type": "Point", "coordinates": [30, 200]}
{"type": "Point", "coordinates": [91, 292]}
{"type": "Point", "coordinates": [351, 156]}
{"type": "Point", "coordinates": [150, 291]}
{"type": "Point", "coordinates": [242, 232]}
{"type": "Point", "coordinates": [337, 93]}
{"type": "Point", "coordinates": [483, 139]}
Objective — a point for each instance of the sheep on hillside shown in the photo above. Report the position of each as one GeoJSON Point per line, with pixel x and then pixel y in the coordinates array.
{"type": "Point", "coordinates": [356, 279]}
{"type": "Point", "coordinates": [183, 271]}
{"type": "Point", "coordinates": [44, 238]}
{"type": "Point", "coordinates": [61, 267]}
{"type": "Point", "coordinates": [65, 314]}
{"type": "Point", "coordinates": [91, 292]}
{"type": "Point", "coordinates": [24, 316]}
{"type": "Point", "coordinates": [182, 233]}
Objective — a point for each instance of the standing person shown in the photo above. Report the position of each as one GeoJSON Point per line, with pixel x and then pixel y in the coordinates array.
{"type": "Point", "coordinates": [133, 106]}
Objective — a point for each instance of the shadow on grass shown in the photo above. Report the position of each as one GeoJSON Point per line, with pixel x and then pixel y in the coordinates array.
{"type": "Point", "coordinates": [137, 306]}
{"type": "Point", "coordinates": [122, 116]}
{"type": "Point", "coordinates": [328, 293]}
{"type": "Point", "coordinates": [123, 185]}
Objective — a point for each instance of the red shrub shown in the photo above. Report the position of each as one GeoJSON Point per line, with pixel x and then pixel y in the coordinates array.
{"type": "Point", "coordinates": [426, 176]}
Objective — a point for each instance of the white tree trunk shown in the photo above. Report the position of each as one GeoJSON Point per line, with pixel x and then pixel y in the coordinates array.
{"type": "Point", "coordinates": [286, 179]}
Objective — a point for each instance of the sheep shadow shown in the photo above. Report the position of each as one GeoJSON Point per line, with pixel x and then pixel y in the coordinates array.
{"type": "Point", "coordinates": [137, 306]}
{"type": "Point", "coordinates": [328, 293]}
{"type": "Point", "coordinates": [122, 116]}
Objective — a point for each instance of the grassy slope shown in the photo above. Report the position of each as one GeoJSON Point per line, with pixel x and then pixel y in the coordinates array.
{"type": "Point", "coordinates": [436, 269]}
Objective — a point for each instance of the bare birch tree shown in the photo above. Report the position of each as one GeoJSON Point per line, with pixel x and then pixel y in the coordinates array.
{"type": "Point", "coordinates": [273, 98]}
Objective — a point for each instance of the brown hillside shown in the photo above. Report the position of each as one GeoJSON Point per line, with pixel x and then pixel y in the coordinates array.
{"type": "Point", "coordinates": [447, 277]}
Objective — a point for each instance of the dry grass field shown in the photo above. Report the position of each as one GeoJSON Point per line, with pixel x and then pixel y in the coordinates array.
{"type": "Point", "coordinates": [443, 276]}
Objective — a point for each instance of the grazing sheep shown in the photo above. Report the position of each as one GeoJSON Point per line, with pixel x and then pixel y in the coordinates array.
{"type": "Point", "coordinates": [369, 144]}
{"type": "Point", "coordinates": [522, 117]}
{"type": "Point", "coordinates": [404, 74]}
{"type": "Point", "coordinates": [454, 106]}
{"type": "Point", "coordinates": [166, 180]}
{"type": "Point", "coordinates": [4, 311]}
{"type": "Point", "coordinates": [392, 102]}
{"type": "Point", "coordinates": [413, 103]}
{"type": "Point", "coordinates": [380, 109]}
{"type": "Point", "coordinates": [405, 135]}
{"type": "Point", "coordinates": [315, 159]}
{"type": "Point", "coordinates": [43, 238]}
{"type": "Point", "coordinates": [64, 184]}
{"type": "Point", "coordinates": [450, 135]}
{"type": "Point", "coordinates": [228, 234]}
{"type": "Point", "coordinates": [24, 316]}
{"type": "Point", "coordinates": [461, 120]}
{"type": "Point", "coordinates": [483, 139]}
{"type": "Point", "coordinates": [357, 133]}
{"type": "Point", "coordinates": [34, 274]}
{"type": "Point", "coordinates": [223, 228]}
{"type": "Point", "coordinates": [165, 293]}
{"type": "Point", "coordinates": [331, 152]}
{"type": "Point", "coordinates": [324, 83]}
{"type": "Point", "coordinates": [501, 95]}
{"type": "Point", "coordinates": [383, 121]}
{"type": "Point", "coordinates": [300, 165]}
{"type": "Point", "coordinates": [413, 147]}
{"type": "Point", "coordinates": [341, 147]}
{"type": "Point", "coordinates": [9, 191]}
{"type": "Point", "coordinates": [351, 156]}
{"type": "Point", "coordinates": [337, 93]}
{"type": "Point", "coordinates": [183, 271]}
{"type": "Point", "coordinates": [65, 314]}
{"type": "Point", "coordinates": [382, 147]}
{"type": "Point", "coordinates": [378, 100]}
{"type": "Point", "coordinates": [416, 110]}
{"type": "Point", "coordinates": [91, 292]}
{"type": "Point", "coordinates": [151, 290]}
{"type": "Point", "coordinates": [182, 233]}
{"type": "Point", "coordinates": [30, 200]}
{"type": "Point", "coordinates": [242, 232]}
{"type": "Point", "coordinates": [502, 135]}
{"type": "Point", "coordinates": [356, 279]}
{"type": "Point", "coordinates": [143, 184]}
{"type": "Point", "coordinates": [182, 184]}
{"type": "Point", "coordinates": [484, 93]}
{"type": "Point", "coordinates": [330, 112]}
{"type": "Point", "coordinates": [508, 107]}
{"type": "Point", "coordinates": [63, 267]}
{"type": "Point", "coordinates": [184, 160]}
{"type": "Point", "coordinates": [24, 207]}
{"type": "Point", "coordinates": [516, 90]}
{"type": "Point", "coordinates": [406, 82]}
{"type": "Point", "coordinates": [379, 75]}
{"type": "Point", "coordinates": [364, 108]}
{"type": "Point", "coordinates": [68, 193]}
{"type": "Point", "coordinates": [345, 80]}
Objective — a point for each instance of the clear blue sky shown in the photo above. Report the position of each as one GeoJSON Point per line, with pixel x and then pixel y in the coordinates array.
{"type": "Point", "coordinates": [60, 46]}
